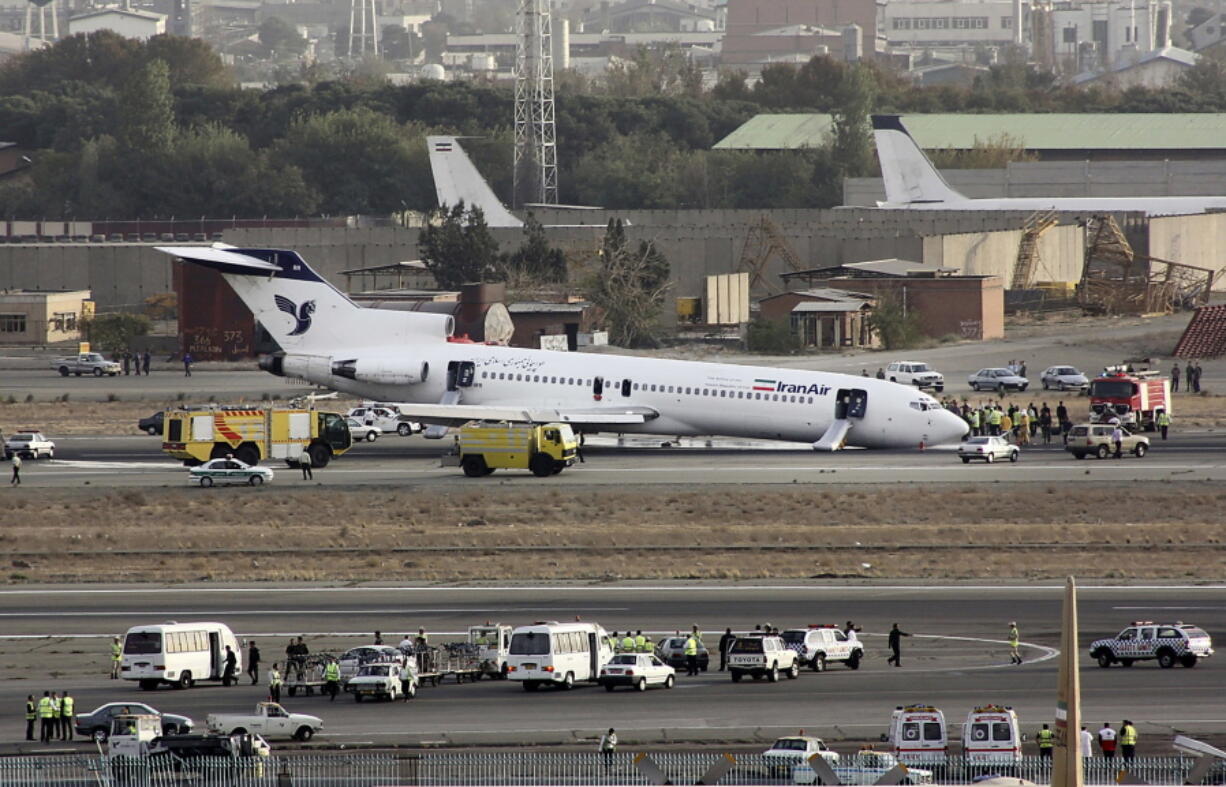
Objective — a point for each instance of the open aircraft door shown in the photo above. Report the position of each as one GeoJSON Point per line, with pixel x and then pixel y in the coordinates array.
{"type": "Point", "coordinates": [850, 405]}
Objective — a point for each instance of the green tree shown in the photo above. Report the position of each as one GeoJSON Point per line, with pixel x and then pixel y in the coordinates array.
{"type": "Point", "coordinates": [281, 37]}
{"type": "Point", "coordinates": [770, 336]}
{"type": "Point", "coordinates": [851, 145]}
{"type": "Point", "coordinates": [114, 332]}
{"type": "Point", "coordinates": [192, 62]}
{"type": "Point", "coordinates": [630, 287]}
{"type": "Point", "coordinates": [897, 328]}
{"type": "Point", "coordinates": [457, 247]}
{"type": "Point", "coordinates": [147, 123]}
{"type": "Point", "coordinates": [535, 260]}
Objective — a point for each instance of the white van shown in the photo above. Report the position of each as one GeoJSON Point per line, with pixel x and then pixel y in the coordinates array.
{"type": "Point", "coordinates": [178, 653]}
{"type": "Point", "coordinates": [918, 735]}
{"type": "Point", "coordinates": [991, 735]}
{"type": "Point", "coordinates": [558, 654]}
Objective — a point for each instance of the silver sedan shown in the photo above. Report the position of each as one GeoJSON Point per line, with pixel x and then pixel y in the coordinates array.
{"type": "Point", "coordinates": [988, 449]}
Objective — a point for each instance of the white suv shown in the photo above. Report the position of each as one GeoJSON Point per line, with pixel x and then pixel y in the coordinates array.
{"type": "Point", "coordinates": [921, 375]}
{"type": "Point", "coordinates": [817, 646]}
{"type": "Point", "coordinates": [761, 656]}
{"type": "Point", "coordinates": [1169, 643]}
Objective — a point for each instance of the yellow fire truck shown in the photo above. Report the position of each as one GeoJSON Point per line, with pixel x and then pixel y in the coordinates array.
{"type": "Point", "coordinates": [196, 436]}
{"type": "Point", "coordinates": [545, 449]}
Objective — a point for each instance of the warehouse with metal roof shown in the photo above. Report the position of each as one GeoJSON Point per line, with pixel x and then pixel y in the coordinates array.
{"type": "Point", "coordinates": [1050, 137]}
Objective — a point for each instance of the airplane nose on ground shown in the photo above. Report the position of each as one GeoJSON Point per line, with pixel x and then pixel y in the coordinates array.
{"type": "Point", "coordinates": [948, 428]}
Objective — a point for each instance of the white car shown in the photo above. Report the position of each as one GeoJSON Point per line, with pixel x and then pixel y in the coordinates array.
{"type": "Point", "coordinates": [818, 645]}
{"type": "Point", "coordinates": [921, 375]}
{"type": "Point", "coordinates": [1169, 643]}
{"type": "Point", "coordinates": [997, 379]}
{"type": "Point", "coordinates": [865, 768]}
{"type": "Point", "coordinates": [355, 658]}
{"type": "Point", "coordinates": [791, 751]}
{"type": "Point", "coordinates": [1064, 378]}
{"type": "Point", "coordinates": [381, 681]}
{"type": "Point", "coordinates": [639, 670]}
{"type": "Point", "coordinates": [988, 448]}
{"type": "Point", "coordinates": [29, 445]}
{"type": "Point", "coordinates": [360, 431]}
{"type": "Point", "coordinates": [386, 417]}
{"type": "Point", "coordinates": [229, 471]}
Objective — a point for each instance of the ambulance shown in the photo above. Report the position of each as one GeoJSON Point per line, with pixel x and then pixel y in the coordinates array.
{"type": "Point", "coordinates": [254, 434]}
{"type": "Point", "coordinates": [918, 735]}
{"type": "Point", "coordinates": [991, 735]}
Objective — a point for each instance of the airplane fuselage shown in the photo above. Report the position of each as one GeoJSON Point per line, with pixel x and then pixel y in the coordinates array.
{"type": "Point", "coordinates": [1151, 206]}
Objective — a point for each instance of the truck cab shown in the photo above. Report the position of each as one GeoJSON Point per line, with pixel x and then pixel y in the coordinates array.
{"type": "Point", "coordinates": [492, 642]}
{"type": "Point", "coordinates": [132, 735]}
{"type": "Point", "coordinates": [991, 735]}
{"type": "Point", "coordinates": [918, 735]}
{"type": "Point", "coordinates": [1133, 398]}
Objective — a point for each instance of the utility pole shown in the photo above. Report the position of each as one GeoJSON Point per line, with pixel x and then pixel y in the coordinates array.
{"type": "Point", "coordinates": [536, 156]}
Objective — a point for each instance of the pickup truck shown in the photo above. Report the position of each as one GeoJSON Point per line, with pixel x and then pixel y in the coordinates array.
{"type": "Point", "coordinates": [762, 656]}
{"type": "Point", "coordinates": [269, 720]}
{"type": "Point", "coordinates": [86, 363]}
{"type": "Point", "coordinates": [865, 768]}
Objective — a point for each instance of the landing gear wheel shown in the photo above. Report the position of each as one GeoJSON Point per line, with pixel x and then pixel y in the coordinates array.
{"type": "Point", "coordinates": [540, 465]}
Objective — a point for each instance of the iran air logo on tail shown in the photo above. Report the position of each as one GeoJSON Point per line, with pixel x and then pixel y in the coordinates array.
{"type": "Point", "coordinates": [302, 314]}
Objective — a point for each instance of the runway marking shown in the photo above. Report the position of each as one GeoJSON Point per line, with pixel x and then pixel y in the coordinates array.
{"type": "Point", "coordinates": [1169, 608]}
{"type": "Point", "coordinates": [390, 611]}
{"type": "Point", "coordinates": [589, 588]}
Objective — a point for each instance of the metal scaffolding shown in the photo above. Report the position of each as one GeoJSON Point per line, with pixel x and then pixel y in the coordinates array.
{"type": "Point", "coordinates": [536, 157]}
{"type": "Point", "coordinates": [363, 28]}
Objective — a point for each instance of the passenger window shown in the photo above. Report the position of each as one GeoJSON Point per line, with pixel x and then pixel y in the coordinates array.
{"type": "Point", "coordinates": [723, 393]}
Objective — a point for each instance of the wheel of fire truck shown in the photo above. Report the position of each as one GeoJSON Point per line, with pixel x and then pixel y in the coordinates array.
{"type": "Point", "coordinates": [248, 454]}
{"type": "Point", "coordinates": [541, 465]}
{"type": "Point", "coordinates": [320, 455]}
{"type": "Point", "coordinates": [473, 465]}
{"type": "Point", "coordinates": [220, 450]}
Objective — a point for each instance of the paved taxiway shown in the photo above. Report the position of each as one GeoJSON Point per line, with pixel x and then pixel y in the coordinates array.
{"type": "Point", "coordinates": [954, 660]}
{"type": "Point", "coordinates": [137, 461]}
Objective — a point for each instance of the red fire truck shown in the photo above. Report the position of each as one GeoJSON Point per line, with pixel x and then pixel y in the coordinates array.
{"type": "Point", "coordinates": [1135, 398]}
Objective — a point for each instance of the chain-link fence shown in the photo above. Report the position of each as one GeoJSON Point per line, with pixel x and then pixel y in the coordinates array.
{"type": "Point", "coordinates": [526, 768]}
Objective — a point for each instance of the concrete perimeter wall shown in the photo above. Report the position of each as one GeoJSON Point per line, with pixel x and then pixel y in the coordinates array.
{"type": "Point", "coordinates": [1193, 240]}
{"type": "Point", "coordinates": [1061, 253]}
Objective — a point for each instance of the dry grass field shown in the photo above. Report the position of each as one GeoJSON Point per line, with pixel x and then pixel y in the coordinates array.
{"type": "Point", "coordinates": [1119, 531]}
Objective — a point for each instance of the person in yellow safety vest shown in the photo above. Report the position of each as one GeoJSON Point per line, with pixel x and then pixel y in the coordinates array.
{"type": "Point", "coordinates": [1046, 739]}
{"type": "Point", "coordinates": [1015, 639]}
{"type": "Point", "coordinates": [1128, 741]}
{"type": "Point", "coordinates": [628, 643]}
{"type": "Point", "coordinates": [640, 642]}
{"type": "Point", "coordinates": [613, 641]}
{"type": "Point", "coordinates": [1164, 422]}
{"type": "Point", "coordinates": [274, 683]}
{"type": "Point", "coordinates": [332, 678]}
{"type": "Point", "coordinates": [45, 717]}
{"type": "Point", "coordinates": [974, 419]}
{"type": "Point", "coordinates": [31, 715]}
{"type": "Point", "coordinates": [116, 657]}
{"type": "Point", "coordinates": [994, 420]}
{"type": "Point", "coordinates": [67, 704]}
{"type": "Point", "coordinates": [691, 655]}
{"type": "Point", "coordinates": [1023, 435]}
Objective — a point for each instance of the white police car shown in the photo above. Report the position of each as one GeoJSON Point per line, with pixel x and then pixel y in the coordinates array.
{"type": "Point", "coordinates": [1169, 643]}
{"type": "Point", "coordinates": [229, 471]}
{"type": "Point", "coordinates": [865, 768]}
{"type": "Point", "coordinates": [820, 644]}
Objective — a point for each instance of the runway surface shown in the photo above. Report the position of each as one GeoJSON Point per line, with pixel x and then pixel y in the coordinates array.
{"type": "Point", "coordinates": [955, 659]}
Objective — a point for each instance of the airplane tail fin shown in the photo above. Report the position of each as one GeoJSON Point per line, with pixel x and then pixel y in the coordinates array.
{"type": "Point", "coordinates": [300, 309]}
{"type": "Point", "coordinates": [456, 179]}
{"type": "Point", "coordinates": [908, 173]}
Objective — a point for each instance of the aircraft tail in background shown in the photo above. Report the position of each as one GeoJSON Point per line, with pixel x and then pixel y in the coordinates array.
{"type": "Point", "coordinates": [456, 179]}
{"type": "Point", "coordinates": [907, 171]}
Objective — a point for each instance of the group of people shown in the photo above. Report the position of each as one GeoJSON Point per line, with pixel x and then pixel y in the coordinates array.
{"type": "Point", "coordinates": [1191, 374]}
{"type": "Point", "coordinates": [1019, 424]}
{"type": "Point", "coordinates": [134, 361]}
{"type": "Point", "coordinates": [54, 713]}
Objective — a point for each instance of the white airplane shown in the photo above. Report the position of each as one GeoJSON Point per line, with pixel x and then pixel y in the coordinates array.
{"type": "Point", "coordinates": [456, 179]}
{"type": "Point", "coordinates": [911, 181]}
{"type": "Point", "coordinates": [412, 359]}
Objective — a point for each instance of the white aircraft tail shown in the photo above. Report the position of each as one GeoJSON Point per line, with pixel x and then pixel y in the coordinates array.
{"type": "Point", "coordinates": [908, 173]}
{"type": "Point", "coordinates": [456, 180]}
{"type": "Point", "coordinates": [301, 310]}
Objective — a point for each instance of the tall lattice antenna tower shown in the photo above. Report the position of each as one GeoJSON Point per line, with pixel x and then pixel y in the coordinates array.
{"type": "Point", "coordinates": [363, 28]}
{"type": "Point", "coordinates": [38, 11]}
{"type": "Point", "coordinates": [536, 154]}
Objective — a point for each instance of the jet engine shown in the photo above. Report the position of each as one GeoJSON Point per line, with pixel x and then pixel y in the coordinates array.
{"type": "Point", "coordinates": [389, 371]}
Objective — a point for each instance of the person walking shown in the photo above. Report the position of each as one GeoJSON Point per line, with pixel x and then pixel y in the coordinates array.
{"type": "Point", "coordinates": [1188, 373]}
{"type": "Point", "coordinates": [895, 643]}
{"type": "Point", "coordinates": [1106, 741]}
{"type": "Point", "coordinates": [44, 717]}
{"type": "Point", "coordinates": [691, 655]}
{"type": "Point", "coordinates": [725, 641]}
{"type": "Point", "coordinates": [1164, 422]}
{"type": "Point", "coordinates": [1015, 641]}
{"type": "Point", "coordinates": [16, 479]}
{"type": "Point", "coordinates": [1046, 739]}
{"type": "Point", "coordinates": [116, 657]}
{"type": "Point", "coordinates": [332, 678]}
{"type": "Point", "coordinates": [406, 681]}
{"type": "Point", "coordinates": [304, 462]}
{"type": "Point", "coordinates": [1087, 743]}
{"type": "Point", "coordinates": [187, 364]}
{"type": "Point", "coordinates": [1175, 378]}
{"type": "Point", "coordinates": [228, 674]}
{"type": "Point", "coordinates": [67, 704]}
{"type": "Point", "coordinates": [608, 747]}
{"type": "Point", "coordinates": [145, 359]}
{"type": "Point", "coordinates": [1128, 741]}
{"type": "Point", "coordinates": [253, 663]}
{"type": "Point", "coordinates": [274, 683]}
{"type": "Point", "coordinates": [31, 715]}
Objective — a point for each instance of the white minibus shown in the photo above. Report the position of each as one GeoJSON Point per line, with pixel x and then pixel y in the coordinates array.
{"type": "Point", "coordinates": [557, 654]}
{"type": "Point", "coordinates": [178, 653]}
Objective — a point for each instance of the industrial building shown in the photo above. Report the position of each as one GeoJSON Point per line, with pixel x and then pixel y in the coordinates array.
{"type": "Point", "coordinates": [40, 317]}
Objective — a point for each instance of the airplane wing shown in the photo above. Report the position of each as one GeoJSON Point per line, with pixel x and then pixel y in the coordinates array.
{"type": "Point", "coordinates": [456, 414]}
